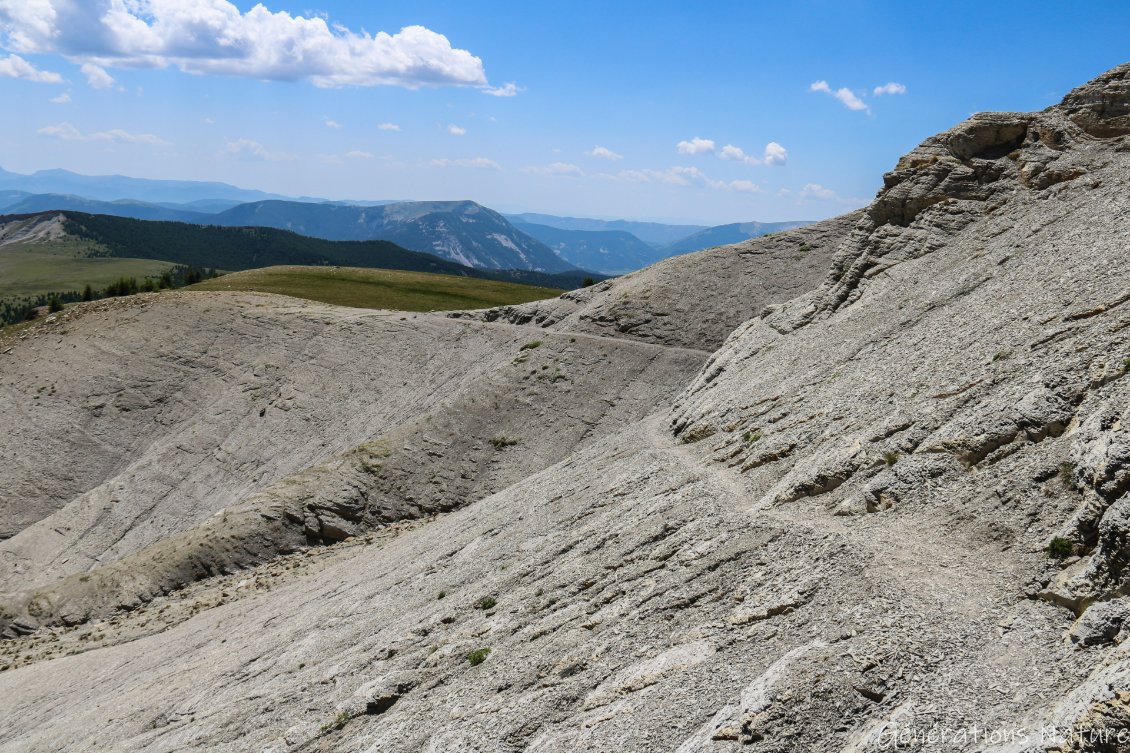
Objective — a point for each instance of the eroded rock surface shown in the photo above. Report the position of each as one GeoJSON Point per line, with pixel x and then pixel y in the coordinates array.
{"type": "Point", "coordinates": [891, 507]}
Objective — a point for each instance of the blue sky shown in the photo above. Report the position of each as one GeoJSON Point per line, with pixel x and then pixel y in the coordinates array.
{"type": "Point", "coordinates": [705, 112]}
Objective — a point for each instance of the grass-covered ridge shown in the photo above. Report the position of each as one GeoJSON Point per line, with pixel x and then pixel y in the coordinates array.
{"type": "Point", "coordinates": [379, 288]}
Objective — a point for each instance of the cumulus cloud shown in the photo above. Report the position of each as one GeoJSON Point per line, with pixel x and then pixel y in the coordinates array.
{"type": "Point", "coordinates": [891, 88]}
{"type": "Point", "coordinates": [252, 151]}
{"type": "Point", "coordinates": [68, 132]}
{"type": "Point", "coordinates": [556, 168]}
{"type": "Point", "coordinates": [97, 76]}
{"type": "Point", "coordinates": [695, 146]}
{"type": "Point", "coordinates": [745, 186]}
{"type": "Point", "coordinates": [455, 130]}
{"type": "Point", "coordinates": [773, 154]}
{"type": "Point", "coordinates": [214, 37]}
{"type": "Point", "coordinates": [605, 153]}
{"type": "Point", "coordinates": [506, 90]}
{"type": "Point", "coordinates": [62, 99]}
{"type": "Point", "coordinates": [846, 96]}
{"type": "Point", "coordinates": [330, 123]}
{"type": "Point", "coordinates": [817, 191]}
{"type": "Point", "coordinates": [481, 163]}
{"type": "Point", "coordinates": [15, 66]}
{"type": "Point", "coordinates": [358, 154]}
{"type": "Point", "coordinates": [388, 127]}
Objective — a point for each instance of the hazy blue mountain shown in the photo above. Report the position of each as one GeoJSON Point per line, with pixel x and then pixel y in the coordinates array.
{"type": "Point", "coordinates": [723, 235]}
{"type": "Point", "coordinates": [461, 231]}
{"type": "Point", "coordinates": [113, 187]}
{"type": "Point", "coordinates": [655, 233]}
{"type": "Point", "coordinates": [138, 210]}
{"type": "Point", "coordinates": [612, 252]}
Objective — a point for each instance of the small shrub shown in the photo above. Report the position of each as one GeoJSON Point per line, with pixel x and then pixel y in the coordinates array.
{"type": "Point", "coordinates": [1126, 364]}
{"type": "Point", "coordinates": [55, 305]}
{"type": "Point", "coordinates": [752, 436]}
{"type": "Point", "coordinates": [503, 441]}
{"type": "Point", "coordinates": [890, 457]}
{"type": "Point", "coordinates": [531, 345]}
{"type": "Point", "coordinates": [478, 656]}
{"type": "Point", "coordinates": [588, 282]}
{"type": "Point", "coordinates": [805, 248]}
{"type": "Point", "coordinates": [88, 293]}
{"type": "Point", "coordinates": [485, 603]}
{"type": "Point", "coordinates": [1060, 548]}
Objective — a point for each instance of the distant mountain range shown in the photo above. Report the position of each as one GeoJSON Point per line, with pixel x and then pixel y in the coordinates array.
{"type": "Point", "coordinates": [654, 233]}
{"type": "Point", "coordinates": [724, 235]}
{"type": "Point", "coordinates": [612, 252]}
{"type": "Point", "coordinates": [114, 187]}
{"type": "Point", "coordinates": [463, 232]}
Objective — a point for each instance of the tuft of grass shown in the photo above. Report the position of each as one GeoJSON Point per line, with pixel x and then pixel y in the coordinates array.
{"type": "Point", "coordinates": [1060, 548]}
{"type": "Point", "coordinates": [1126, 364]}
{"type": "Point", "coordinates": [338, 722]}
{"type": "Point", "coordinates": [752, 436]}
{"type": "Point", "coordinates": [478, 656]}
{"type": "Point", "coordinates": [485, 603]}
{"type": "Point", "coordinates": [1067, 474]}
{"type": "Point", "coordinates": [502, 441]}
{"type": "Point", "coordinates": [890, 457]}
{"type": "Point", "coordinates": [531, 345]}
{"type": "Point", "coordinates": [1002, 355]}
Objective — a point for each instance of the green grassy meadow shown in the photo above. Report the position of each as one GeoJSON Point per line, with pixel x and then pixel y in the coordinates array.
{"type": "Point", "coordinates": [379, 288]}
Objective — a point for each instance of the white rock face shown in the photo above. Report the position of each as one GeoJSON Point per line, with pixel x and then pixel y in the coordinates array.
{"type": "Point", "coordinates": [890, 509]}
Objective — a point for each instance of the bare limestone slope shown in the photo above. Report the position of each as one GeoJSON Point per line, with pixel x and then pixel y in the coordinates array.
{"type": "Point", "coordinates": [836, 538]}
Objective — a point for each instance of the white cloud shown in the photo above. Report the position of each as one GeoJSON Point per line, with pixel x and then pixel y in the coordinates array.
{"type": "Point", "coordinates": [605, 153]}
{"type": "Point", "coordinates": [481, 163]}
{"type": "Point", "coordinates": [695, 146]}
{"type": "Point", "coordinates": [844, 95]}
{"type": "Point", "coordinates": [208, 121]}
{"type": "Point", "coordinates": [62, 99]}
{"type": "Point", "coordinates": [455, 130]}
{"type": "Point", "coordinates": [252, 151]}
{"type": "Point", "coordinates": [96, 76]}
{"type": "Point", "coordinates": [214, 37]}
{"type": "Point", "coordinates": [773, 154]}
{"type": "Point", "coordinates": [745, 186]}
{"type": "Point", "coordinates": [358, 154]}
{"type": "Point", "coordinates": [68, 132]}
{"type": "Point", "coordinates": [817, 191]}
{"type": "Point", "coordinates": [557, 168]}
{"type": "Point", "coordinates": [891, 88]}
{"type": "Point", "coordinates": [506, 90]}
{"type": "Point", "coordinates": [682, 176]}
{"type": "Point", "coordinates": [332, 123]}
{"type": "Point", "coordinates": [388, 127]}
{"type": "Point", "coordinates": [15, 66]}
